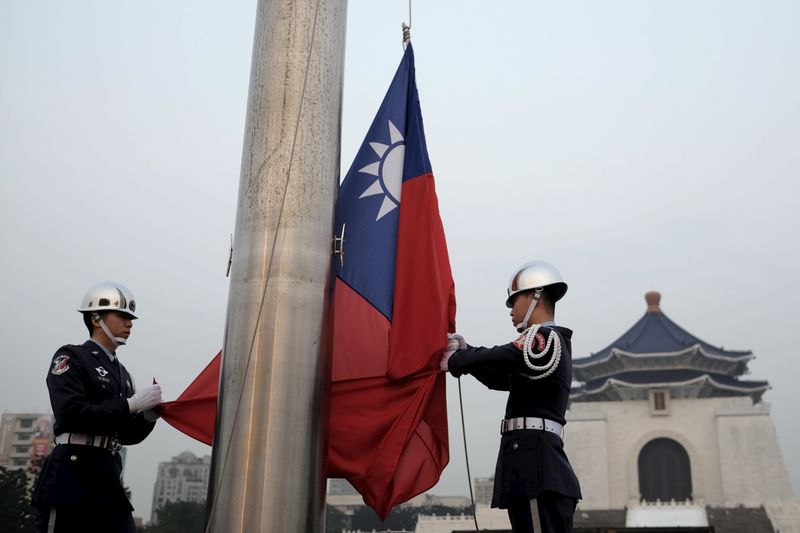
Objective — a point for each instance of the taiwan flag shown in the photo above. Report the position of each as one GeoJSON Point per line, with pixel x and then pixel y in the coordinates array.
{"type": "Point", "coordinates": [393, 304]}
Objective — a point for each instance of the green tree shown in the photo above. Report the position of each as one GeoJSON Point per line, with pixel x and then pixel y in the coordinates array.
{"type": "Point", "coordinates": [16, 513]}
{"type": "Point", "coordinates": [403, 517]}
{"type": "Point", "coordinates": [443, 510]}
{"type": "Point", "coordinates": [399, 518]}
{"type": "Point", "coordinates": [179, 517]}
{"type": "Point", "coordinates": [335, 520]}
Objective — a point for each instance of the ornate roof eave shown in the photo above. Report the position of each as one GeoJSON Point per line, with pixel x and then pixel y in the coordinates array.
{"type": "Point", "coordinates": [749, 391]}
{"type": "Point", "coordinates": [622, 354]}
{"type": "Point", "coordinates": [746, 356]}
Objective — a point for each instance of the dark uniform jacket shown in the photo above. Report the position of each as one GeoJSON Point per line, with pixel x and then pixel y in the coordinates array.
{"type": "Point", "coordinates": [529, 461]}
{"type": "Point", "coordinates": [88, 393]}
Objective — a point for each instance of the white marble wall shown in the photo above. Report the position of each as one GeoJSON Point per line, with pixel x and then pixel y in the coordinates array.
{"type": "Point", "coordinates": [753, 468]}
{"type": "Point", "coordinates": [732, 446]}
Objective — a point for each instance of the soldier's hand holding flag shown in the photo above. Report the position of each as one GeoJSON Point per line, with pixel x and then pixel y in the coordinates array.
{"type": "Point", "coordinates": [454, 342]}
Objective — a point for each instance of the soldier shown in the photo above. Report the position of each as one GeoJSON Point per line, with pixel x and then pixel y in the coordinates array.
{"type": "Point", "coordinates": [97, 411]}
{"type": "Point", "coordinates": [533, 479]}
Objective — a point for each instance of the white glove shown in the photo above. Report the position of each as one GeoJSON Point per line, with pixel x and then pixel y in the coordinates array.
{"type": "Point", "coordinates": [443, 363]}
{"type": "Point", "coordinates": [147, 398]}
{"type": "Point", "coordinates": [458, 339]}
{"type": "Point", "coordinates": [454, 342]}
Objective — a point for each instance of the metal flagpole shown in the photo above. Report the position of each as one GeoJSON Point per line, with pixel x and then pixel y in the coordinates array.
{"type": "Point", "coordinates": [267, 466]}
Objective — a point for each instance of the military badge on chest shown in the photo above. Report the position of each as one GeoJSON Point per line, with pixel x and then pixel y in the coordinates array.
{"type": "Point", "coordinates": [101, 374]}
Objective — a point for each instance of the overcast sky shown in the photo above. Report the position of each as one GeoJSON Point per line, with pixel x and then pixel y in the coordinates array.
{"type": "Point", "coordinates": [636, 145]}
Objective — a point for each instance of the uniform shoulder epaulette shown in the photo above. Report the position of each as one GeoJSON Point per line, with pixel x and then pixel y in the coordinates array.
{"type": "Point", "coordinates": [62, 357]}
{"type": "Point", "coordinates": [539, 341]}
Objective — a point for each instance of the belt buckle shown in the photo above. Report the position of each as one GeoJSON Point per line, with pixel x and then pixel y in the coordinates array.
{"type": "Point", "coordinates": [534, 422]}
{"type": "Point", "coordinates": [114, 445]}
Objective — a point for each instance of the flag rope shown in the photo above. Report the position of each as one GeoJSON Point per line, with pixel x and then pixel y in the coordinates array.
{"type": "Point", "coordinates": [466, 455]}
{"type": "Point", "coordinates": [269, 267]}
{"type": "Point", "coordinates": [407, 28]}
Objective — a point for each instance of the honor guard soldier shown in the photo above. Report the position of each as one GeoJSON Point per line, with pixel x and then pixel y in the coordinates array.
{"type": "Point", "coordinates": [533, 480]}
{"type": "Point", "coordinates": [97, 410]}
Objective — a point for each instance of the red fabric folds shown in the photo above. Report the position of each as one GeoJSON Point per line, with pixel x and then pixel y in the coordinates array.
{"type": "Point", "coordinates": [195, 411]}
{"type": "Point", "coordinates": [387, 436]}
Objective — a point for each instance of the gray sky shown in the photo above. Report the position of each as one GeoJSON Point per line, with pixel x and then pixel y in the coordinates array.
{"type": "Point", "coordinates": [636, 145]}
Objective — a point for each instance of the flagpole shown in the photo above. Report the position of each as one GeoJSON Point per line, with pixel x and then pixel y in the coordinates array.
{"type": "Point", "coordinates": [267, 464]}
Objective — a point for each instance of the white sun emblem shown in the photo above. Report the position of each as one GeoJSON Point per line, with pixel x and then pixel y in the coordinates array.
{"type": "Point", "coordinates": [389, 171]}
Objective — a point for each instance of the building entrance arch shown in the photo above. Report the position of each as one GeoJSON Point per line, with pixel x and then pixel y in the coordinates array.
{"type": "Point", "coordinates": [664, 471]}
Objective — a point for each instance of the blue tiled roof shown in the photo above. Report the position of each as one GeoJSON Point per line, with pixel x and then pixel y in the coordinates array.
{"type": "Point", "coordinates": [656, 333]}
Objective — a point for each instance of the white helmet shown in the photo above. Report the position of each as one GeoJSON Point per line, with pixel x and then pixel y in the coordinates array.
{"type": "Point", "coordinates": [536, 275]}
{"type": "Point", "coordinates": [108, 296]}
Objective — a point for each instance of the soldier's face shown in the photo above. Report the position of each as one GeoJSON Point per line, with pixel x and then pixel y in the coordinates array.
{"type": "Point", "coordinates": [520, 304]}
{"type": "Point", "coordinates": [119, 324]}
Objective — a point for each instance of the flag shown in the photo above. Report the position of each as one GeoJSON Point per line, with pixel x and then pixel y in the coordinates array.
{"type": "Point", "coordinates": [195, 411]}
{"type": "Point", "coordinates": [393, 304]}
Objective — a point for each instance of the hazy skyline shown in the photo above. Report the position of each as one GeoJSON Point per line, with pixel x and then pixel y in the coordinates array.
{"type": "Point", "coordinates": [635, 145]}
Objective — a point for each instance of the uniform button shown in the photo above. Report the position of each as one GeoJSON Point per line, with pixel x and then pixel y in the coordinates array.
{"type": "Point", "coordinates": [75, 457]}
{"type": "Point", "coordinates": [515, 446]}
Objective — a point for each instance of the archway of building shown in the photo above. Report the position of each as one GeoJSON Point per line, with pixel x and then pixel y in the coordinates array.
{"type": "Point", "coordinates": [664, 471]}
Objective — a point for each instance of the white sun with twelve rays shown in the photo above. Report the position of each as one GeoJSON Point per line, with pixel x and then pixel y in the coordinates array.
{"type": "Point", "coordinates": [388, 170]}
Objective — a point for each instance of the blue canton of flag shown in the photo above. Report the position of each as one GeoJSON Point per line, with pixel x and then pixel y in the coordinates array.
{"type": "Point", "coordinates": [370, 194]}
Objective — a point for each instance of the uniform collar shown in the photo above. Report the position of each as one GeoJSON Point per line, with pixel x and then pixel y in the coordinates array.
{"type": "Point", "coordinates": [110, 355]}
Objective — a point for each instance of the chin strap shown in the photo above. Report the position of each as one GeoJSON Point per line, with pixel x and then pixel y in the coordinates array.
{"type": "Point", "coordinates": [522, 326]}
{"type": "Point", "coordinates": [117, 341]}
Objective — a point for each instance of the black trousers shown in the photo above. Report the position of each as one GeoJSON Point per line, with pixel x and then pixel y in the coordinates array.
{"type": "Point", "coordinates": [84, 519]}
{"type": "Point", "coordinates": [550, 512]}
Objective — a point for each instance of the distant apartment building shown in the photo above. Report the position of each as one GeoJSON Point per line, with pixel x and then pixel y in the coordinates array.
{"type": "Point", "coordinates": [343, 496]}
{"type": "Point", "coordinates": [23, 437]}
{"type": "Point", "coordinates": [484, 488]}
{"type": "Point", "coordinates": [340, 487]}
{"type": "Point", "coordinates": [431, 500]}
{"type": "Point", "coordinates": [184, 479]}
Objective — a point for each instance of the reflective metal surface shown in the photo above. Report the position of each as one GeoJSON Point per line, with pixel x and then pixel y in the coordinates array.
{"type": "Point", "coordinates": [268, 453]}
{"type": "Point", "coordinates": [108, 296]}
{"type": "Point", "coordinates": [534, 275]}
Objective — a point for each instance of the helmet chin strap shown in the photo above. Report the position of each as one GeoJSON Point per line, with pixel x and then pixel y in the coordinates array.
{"type": "Point", "coordinates": [522, 326]}
{"type": "Point", "coordinates": [117, 341]}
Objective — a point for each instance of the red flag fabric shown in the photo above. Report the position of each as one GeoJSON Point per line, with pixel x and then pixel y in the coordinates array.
{"type": "Point", "coordinates": [393, 304]}
{"type": "Point", "coordinates": [195, 411]}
